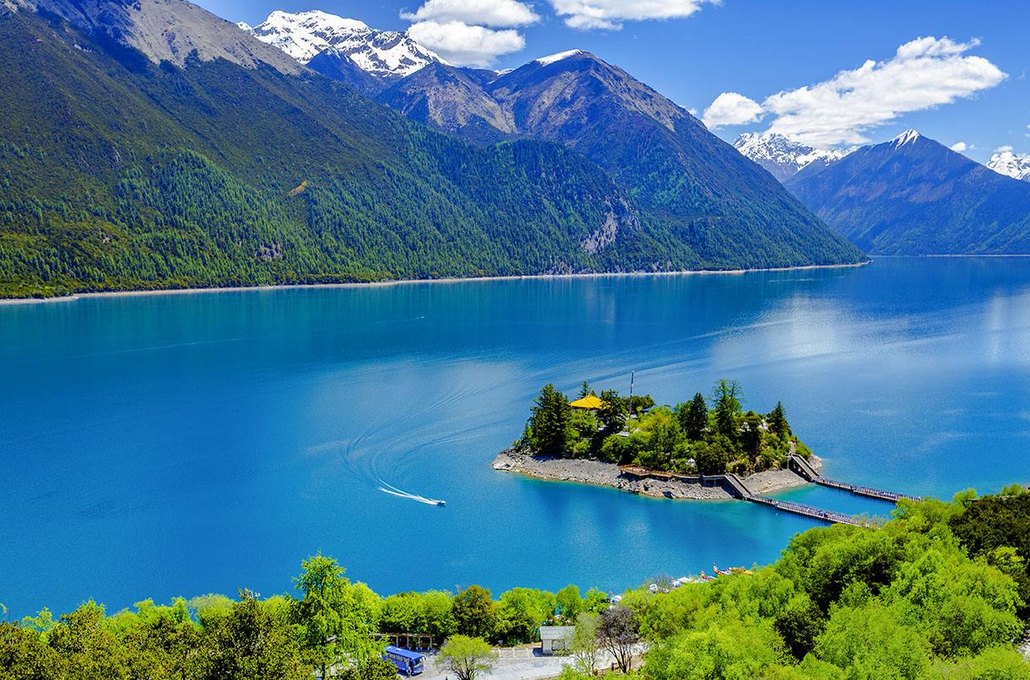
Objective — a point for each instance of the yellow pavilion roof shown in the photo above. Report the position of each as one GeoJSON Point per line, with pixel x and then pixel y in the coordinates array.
{"type": "Point", "coordinates": [590, 402]}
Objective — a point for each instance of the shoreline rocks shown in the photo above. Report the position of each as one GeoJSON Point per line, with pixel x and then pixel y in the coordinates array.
{"type": "Point", "coordinates": [596, 473]}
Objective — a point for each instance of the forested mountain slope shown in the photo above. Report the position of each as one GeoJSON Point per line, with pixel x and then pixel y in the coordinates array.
{"type": "Point", "coordinates": [117, 172]}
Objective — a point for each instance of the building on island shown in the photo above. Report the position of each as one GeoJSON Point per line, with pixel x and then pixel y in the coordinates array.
{"type": "Point", "coordinates": [591, 402]}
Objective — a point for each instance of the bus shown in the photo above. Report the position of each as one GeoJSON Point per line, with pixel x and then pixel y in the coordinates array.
{"type": "Point", "coordinates": [407, 662]}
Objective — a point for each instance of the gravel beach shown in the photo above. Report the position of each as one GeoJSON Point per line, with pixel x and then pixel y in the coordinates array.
{"type": "Point", "coordinates": [583, 471]}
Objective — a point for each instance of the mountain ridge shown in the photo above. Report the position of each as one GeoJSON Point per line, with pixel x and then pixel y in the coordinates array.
{"type": "Point", "coordinates": [782, 156]}
{"type": "Point", "coordinates": [117, 172]}
{"type": "Point", "coordinates": [304, 35]}
{"type": "Point", "coordinates": [914, 196]}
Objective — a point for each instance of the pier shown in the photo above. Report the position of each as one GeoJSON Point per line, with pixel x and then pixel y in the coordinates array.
{"type": "Point", "coordinates": [800, 466]}
{"type": "Point", "coordinates": [738, 488]}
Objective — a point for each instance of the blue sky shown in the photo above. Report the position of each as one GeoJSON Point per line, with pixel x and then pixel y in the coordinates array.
{"type": "Point", "coordinates": [972, 88]}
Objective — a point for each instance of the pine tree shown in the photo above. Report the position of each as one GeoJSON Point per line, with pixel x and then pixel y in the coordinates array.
{"type": "Point", "coordinates": [777, 420]}
{"type": "Point", "coordinates": [694, 418]}
{"type": "Point", "coordinates": [549, 424]}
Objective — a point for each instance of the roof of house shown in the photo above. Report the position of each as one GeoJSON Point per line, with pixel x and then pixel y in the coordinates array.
{"type": "Point", "coordinates": [556, 632]}
{"type": "Point", "coordinates": [406, 653]}
{"type": "Point", "coordinates": [591, 402]}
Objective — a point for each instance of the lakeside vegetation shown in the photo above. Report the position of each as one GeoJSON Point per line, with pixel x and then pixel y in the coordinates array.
{"type": "Point", "coordinates": [691, 437]}
{"type": "Point", "coordinates": [940, 591]}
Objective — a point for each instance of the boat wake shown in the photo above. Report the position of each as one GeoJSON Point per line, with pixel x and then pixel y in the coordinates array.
{"type": "Point", "coordinates": [394, 491]}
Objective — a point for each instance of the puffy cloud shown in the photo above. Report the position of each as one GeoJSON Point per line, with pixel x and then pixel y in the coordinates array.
{"type": "Point", "coordinates": [960, 147]}
{"type": "Point", "coordinates": [494, 13]}
{"type": "Point", "coordinates": [465, 45]}
{"type": "Point", "coordinates": [922, 74]}
{"type": "Point", "coordinates": [731, 108]}
{"type": "Point", "coordinates": [610, 14]}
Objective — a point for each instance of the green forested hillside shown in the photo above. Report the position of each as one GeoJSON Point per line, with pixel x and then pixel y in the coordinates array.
{"type": "Point", "coordinates": [116, 173]}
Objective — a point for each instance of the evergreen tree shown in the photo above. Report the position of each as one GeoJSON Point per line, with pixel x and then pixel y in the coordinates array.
{"type": "Point", "coordinates": [613, 412]}
{"type": "Point", "coordinates": [694, 418]}
{"type": "Point", "coordinates": [727, 397]}
{"type": "Point", "coordinates": [549, 425]}
{"type": "Point", "coordinates": [777, 420]}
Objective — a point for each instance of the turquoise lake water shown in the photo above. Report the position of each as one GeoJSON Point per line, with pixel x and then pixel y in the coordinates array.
{"type": "Point", "coordinates": [185, 444]}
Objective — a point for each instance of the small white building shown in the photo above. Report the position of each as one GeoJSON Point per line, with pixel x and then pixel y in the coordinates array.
{"type": "Point", "coordinates": [556, 639]}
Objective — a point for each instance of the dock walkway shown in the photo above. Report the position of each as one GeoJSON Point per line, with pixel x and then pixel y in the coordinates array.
{"type": "Point", "coordinates": [801, 467]}
{"type": "Point", "coordinates": [737, 488]}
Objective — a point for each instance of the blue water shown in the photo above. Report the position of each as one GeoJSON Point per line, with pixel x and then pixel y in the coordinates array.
{"type": "Point", "coordinates": [184, 444]}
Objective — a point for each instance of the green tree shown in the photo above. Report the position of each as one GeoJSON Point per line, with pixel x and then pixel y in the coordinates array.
{"type": "Point", "coordinates": [250, 642]}
{"type": "Point", "coordinates": [338, 618]}
{"type": "Point", "coordinates": [874, 642]}
{"type": "Point", "coordinates": [710, 458]}
{"type": "Point", "coordinates": [550, 423]}
{"type": "Point", "coordinates": [569, 604]}
{"type": "Point", "coordinates": [728, 648]}
{"type": "Point", "coordinates": [467, 657]}
{"type": "Point", "coordinates": [777, 420]}
{"type": "Point", "coordinates": [799, 625]}
{"type": "Point", "coordinates": [474, 612]}
{"type": "Point", "coordinates": [727, 397]}
{"type": "Point", "coordinates": [519, 615]}
{"type": "Point", "coordinates": [613, 412]}
{"type": "Point", "coordinates": [585, 641]}
{"type": "Point", "coordinates": [371, 669]}
{"type": "Point", "coordinates": [693, 418]}
{"type": "Point", "coordinates": [751, 436]}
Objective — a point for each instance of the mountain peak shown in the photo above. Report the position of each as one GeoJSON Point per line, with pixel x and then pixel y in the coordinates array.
{"type": "Point", "coordinates": [1005, 161]}
{"type": "Point", "coordinates": [907, 137]}
{"type": "Point", "coordinates": [559, 56]}
{"type": "Point", "coordinates": [783, 156]}
{"type": "Point", "coordinates": [304, 35]}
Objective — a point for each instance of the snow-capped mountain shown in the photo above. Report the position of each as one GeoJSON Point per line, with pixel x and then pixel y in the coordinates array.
{"type": "Point", "coordinates": [1007, 162]}
{"type": "Point", "coordinates": [304, 35]}
{"type": "Point", "coordinates": [783, 156]}
{"type": "Point", "coordinates": [915, 196]}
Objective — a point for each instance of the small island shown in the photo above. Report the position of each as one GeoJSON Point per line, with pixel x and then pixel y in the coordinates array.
{"type": "Point", "coordinates": [634, 445]}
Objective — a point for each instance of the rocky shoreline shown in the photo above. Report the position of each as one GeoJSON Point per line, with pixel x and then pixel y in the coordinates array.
{"type": "Point", "coordinates": [583, 471]}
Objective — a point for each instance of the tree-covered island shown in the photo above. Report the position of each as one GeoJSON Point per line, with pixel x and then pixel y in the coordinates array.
{"type": "Point", "coordinates": [709, 437]}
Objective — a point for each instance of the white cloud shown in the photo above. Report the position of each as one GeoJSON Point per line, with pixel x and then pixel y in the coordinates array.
{"type": "Point", "coordinates": [731, 108]}
{"type": "Point", "coordinates": [465, 45]}
{"type": "Point", "coordinates": [960, 147]}
{"type": "Point", "coordinates": [609, 14]}
{"type": "Point", "coordinates": [494, 13]}
{"type": "Point", "coordinates": [923, 73]}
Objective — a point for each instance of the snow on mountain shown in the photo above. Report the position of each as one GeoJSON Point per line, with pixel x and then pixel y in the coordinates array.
{"type": "Point", "coordinates": [906, 137]}
{"type": "Point", "coordinates": [782, 156]}
{"type": "Point", "coordinates": [304, 35]}
{"type": "Point", "coordinates": [1005, 161]}
{"type": "Point", "coordinates": [560, 56]}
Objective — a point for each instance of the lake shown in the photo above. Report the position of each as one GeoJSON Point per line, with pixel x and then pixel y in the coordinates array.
{"type": "Point", "coordinates": [155, 446]}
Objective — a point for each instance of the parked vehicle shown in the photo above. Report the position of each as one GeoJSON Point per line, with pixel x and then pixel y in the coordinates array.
{"type": "Point", "coordinates": [407, 662]}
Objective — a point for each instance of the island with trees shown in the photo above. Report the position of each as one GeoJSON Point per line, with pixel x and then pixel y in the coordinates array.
{"type": "Point", "coordinates": [632, 444]}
